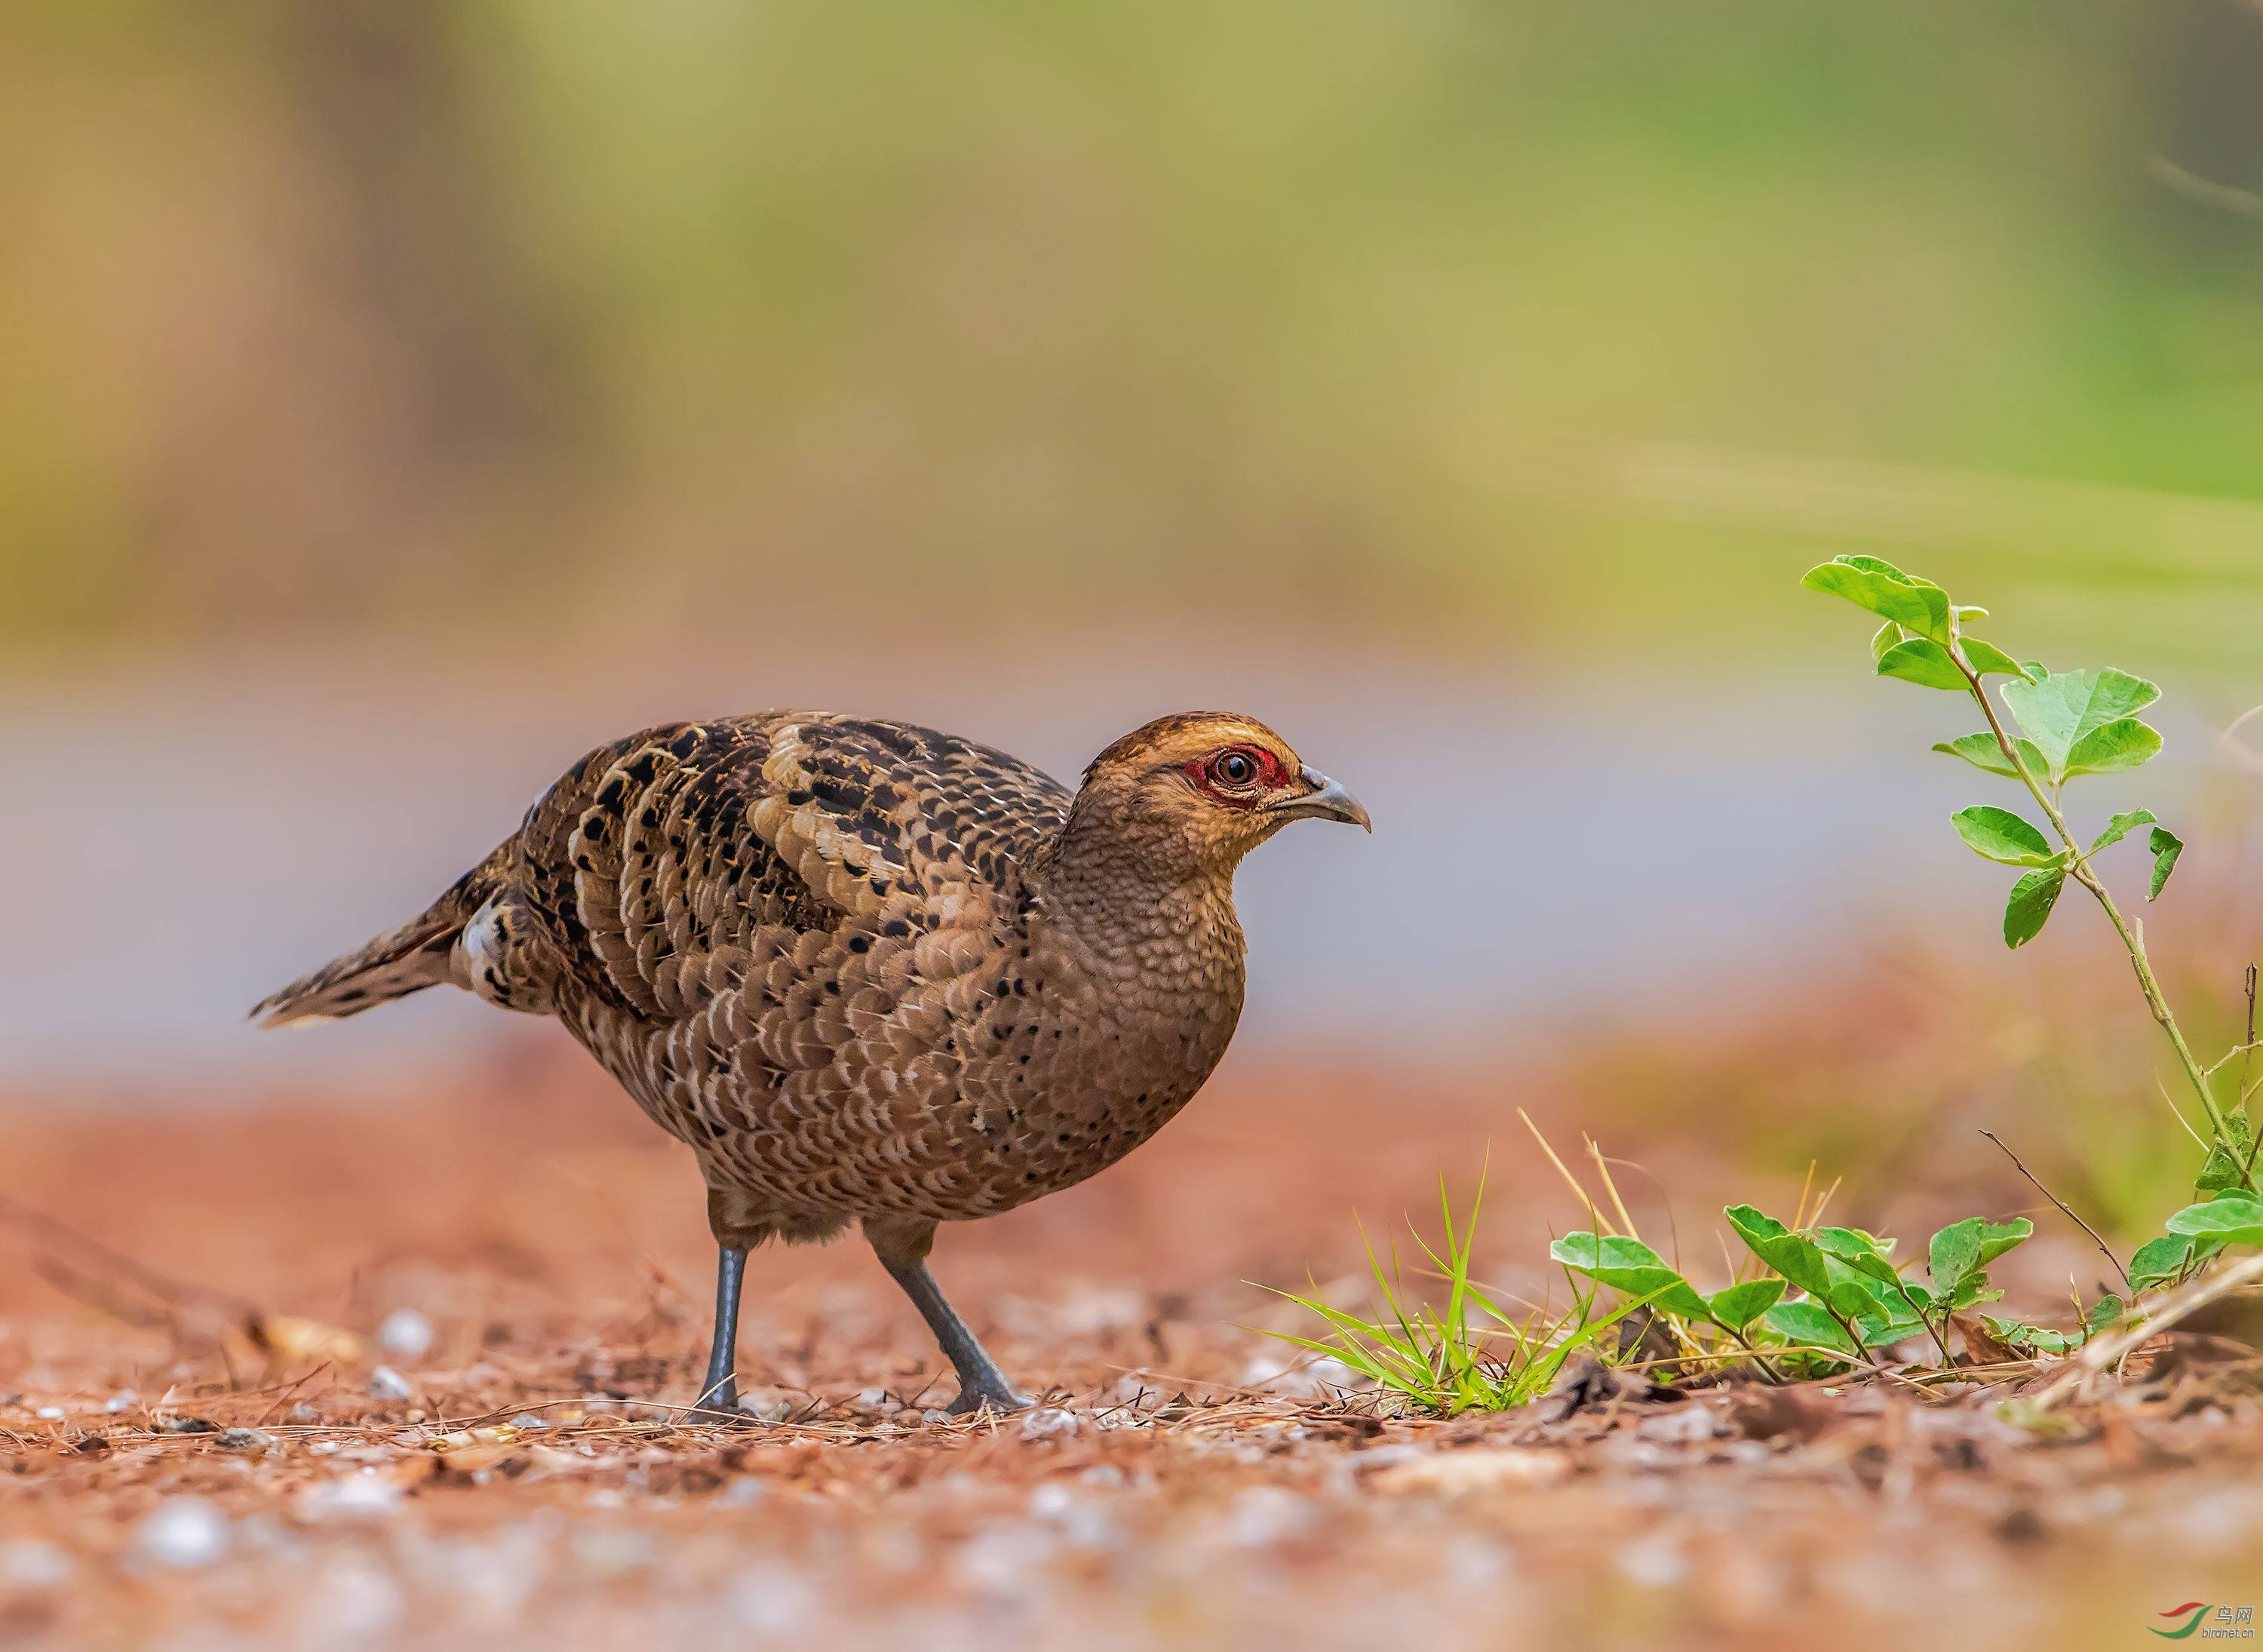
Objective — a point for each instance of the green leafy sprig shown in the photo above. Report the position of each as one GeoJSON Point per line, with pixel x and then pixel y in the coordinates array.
{"type": "Point", "coordinates": [2069, 724]}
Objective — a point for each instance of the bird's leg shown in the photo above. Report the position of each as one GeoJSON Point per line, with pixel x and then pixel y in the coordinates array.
{"type": "Point", "coordinates": [721, 1391]}
{"type": "Point", "coordinates": [903, 1248]}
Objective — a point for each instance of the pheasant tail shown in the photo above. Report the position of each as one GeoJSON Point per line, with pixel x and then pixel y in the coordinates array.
{"type": "Point", "coordinates": [407, 958]}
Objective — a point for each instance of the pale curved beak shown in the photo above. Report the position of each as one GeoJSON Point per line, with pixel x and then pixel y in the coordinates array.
{"type": "Point", "coordinates": [1325, 801]}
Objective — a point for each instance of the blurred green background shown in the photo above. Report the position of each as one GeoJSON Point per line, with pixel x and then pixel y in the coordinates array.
{"type": "Point", "coordinates": [1484, 326]}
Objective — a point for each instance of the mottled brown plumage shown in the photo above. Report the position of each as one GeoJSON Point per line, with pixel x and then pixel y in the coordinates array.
{"type": "Point", "coordinates": [866, 971]}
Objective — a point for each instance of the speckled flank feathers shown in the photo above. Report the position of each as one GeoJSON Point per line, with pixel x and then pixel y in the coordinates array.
{"type": "Point", "coordinates": [864, 970]}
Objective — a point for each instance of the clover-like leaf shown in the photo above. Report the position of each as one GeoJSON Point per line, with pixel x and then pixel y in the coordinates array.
{"type": "Point", "coordinates": [1865, 1253]}
{"type": "Point", "coordinates": [2029, 906]}
{"type": "Point", "coordinates": [2166, 846]}
{"type": "Point", "coordinates": [2107, 1310]}
{"type": "Point", "coordinates": [1923, 662]}
{"type": "Point", "coordinates": [2113, 748]}
{"type": "Point", "coordinates": [1963, 1248]}
{"type": "Point", "coordinates": [1870, 581]}
{"type": "Point", "coordinates": [1788, 1253]}
{"type": "Point", "coordinates": [1807, 1324]}
{"type": "Point", "coordinates": [2001, 835]}
{"type": "Point", "coordinates": [1740, 1305]}
{"type": "Point", "coordinates": [2236, 1219]}
{"type": "Point", "coordinates": [1987, 659]}
{"type": "Point", "coordinates": [1982, 751]}
{"type": "Point", "coordinates": [1629, 1266]}
{"type": "Point", "coordinates": [2064, 708]}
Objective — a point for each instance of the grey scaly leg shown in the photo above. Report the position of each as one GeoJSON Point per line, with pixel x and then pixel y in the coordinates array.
{"type": "Point", "coordinates": [903, 1251]}
{"type": "Point", "coordinates": [721, 1391]}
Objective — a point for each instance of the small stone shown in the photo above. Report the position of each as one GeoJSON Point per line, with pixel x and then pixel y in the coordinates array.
{"type": "Point", "coordinates": [188, 1425]}
{"type": "Point", "coordinates": [182, 1533]}
{"type": "Point", "coordinates": [50, 1413]}
{"type": "Point", "coordinates": [406, 1334]}
{"type": "Point", "coordinates": [386, 1383]}
{"type": "Point", "coordinates": [125, 1399]}
{"type": "Point", "coordinates": [244, 1439]}
{"type": "Point", "coordinates": [1046, 1422]}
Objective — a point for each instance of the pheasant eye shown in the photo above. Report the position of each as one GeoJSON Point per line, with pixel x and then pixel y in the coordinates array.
{"type": "Point", "coordinates": [1235, 768]}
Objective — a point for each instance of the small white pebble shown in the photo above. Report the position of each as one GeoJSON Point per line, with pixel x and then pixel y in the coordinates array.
{"type": "Point", "coordinates": [322, 1447]}
{"type": "Point", "coordinates": [125, 1399]}
{"type": "Point", "coordinates": [386, 1383]}
{"type": "Point", "coordinates": [406, 1334]}
{"type": "Point", "coordinates": [1046, 1422]}
{"type": "Point", "coordinates": [50, 1413]}
{"type": "Point", "coordinates": [243, 1440]}
{"type": "Point", "coordinates": [182, 1533]}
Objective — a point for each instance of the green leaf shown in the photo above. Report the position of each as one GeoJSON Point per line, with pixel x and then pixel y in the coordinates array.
{"type": "Point", "coordinates": [2019, 1334]}
{"type": "Point", "coordinates": [2063, 707]}
{"type": "Point", "coordinates": [2001, 835]}
{"type": "Point", "coordinates": [1865, 1253]}
{"type": "Point", "coordinates": [1787, 1252]}
{"type": "Point", "coordinates": [1973, 1287]}
{"type": "Point", "coordinates": [2234, 1220]}
{"type": "Point", "coordinates": [1982, 752]}
{"type": "Point", "coordinates": [1987, 659]}
{"type": "Point", "coordinates": [1963, 1248]}
{"type": "Point", "coordinates": [1867, 582]}
{"type": "Point", "coordinates": [2159, 1261]}
{"type": "Point", "coordinates": [1965, 616]}
{"type": "Point", "coordinates": [1887, 635]}
{"type": "Point", "coordinates": [2119, 827]}
{"type": "Point", "coordinates": [1806, 1323]}
{"type": "Point", "coordinates": [2166, 846]}
{"type": "Point", "coordinates": [2107, 1310]}
{"type": "Point", "coordinates": [1740, 1305]}
{"type": "Point", "coordinates": [2227, 1160]}
{"type": "Point", "coordinates": [2112, 748]}
{"type": "Point", "coordinates": [1882, 1330]}
{"type": "Point", "coordinates": [2030, 905]}
{"type": "Point", "coordinates": [1923, 662]}
{"type": "Point", "coordinates": [1631, 1267]}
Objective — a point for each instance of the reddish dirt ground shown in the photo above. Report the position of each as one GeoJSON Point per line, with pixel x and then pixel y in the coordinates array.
{"type": "Point", "coordinates": [1175, 1491]}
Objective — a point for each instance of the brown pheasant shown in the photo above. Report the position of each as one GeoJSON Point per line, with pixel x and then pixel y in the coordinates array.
{"type": "Point", "coordinates": [868, 972]}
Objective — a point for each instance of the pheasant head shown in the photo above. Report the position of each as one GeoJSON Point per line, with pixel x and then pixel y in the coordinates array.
{"type": "Point", "coordinates": [1185, 797]}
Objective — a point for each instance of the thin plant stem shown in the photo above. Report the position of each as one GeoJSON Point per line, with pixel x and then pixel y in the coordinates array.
{"type": "Point", "coordinates": [2069, 1210]}
{"type": "Point", "coordinates": [2078, 868]}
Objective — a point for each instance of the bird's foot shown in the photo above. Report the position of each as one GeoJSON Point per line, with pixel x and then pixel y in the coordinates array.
{"type": "Point", "coordinates": [993, 1392]}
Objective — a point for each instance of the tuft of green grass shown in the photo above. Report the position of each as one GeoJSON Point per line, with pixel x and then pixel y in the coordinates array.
{"type": "Point", "coordinates": [1472, 1354]}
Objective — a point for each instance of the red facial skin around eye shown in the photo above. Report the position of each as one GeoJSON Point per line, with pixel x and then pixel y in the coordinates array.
{"type": "Point", "coordinates": [1271, 776]}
